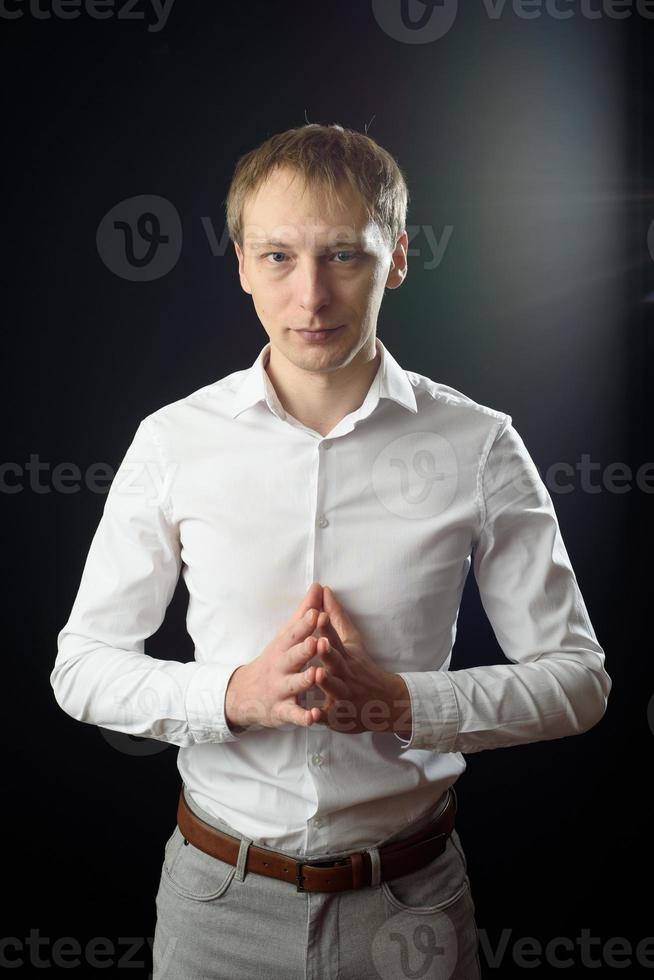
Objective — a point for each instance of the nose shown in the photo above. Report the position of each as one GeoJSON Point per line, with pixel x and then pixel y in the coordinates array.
{"type": "Point", "coordinates": [312, 285]}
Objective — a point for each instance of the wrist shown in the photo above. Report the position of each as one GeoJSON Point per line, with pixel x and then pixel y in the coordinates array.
{"type": "Point", "coordinates": [233, 718]}
{"type": "Point", "coordinates": [400, 707]}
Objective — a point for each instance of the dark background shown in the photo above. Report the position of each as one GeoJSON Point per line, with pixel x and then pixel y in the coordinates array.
{"type": "Point", "coordinates": [531, 139]}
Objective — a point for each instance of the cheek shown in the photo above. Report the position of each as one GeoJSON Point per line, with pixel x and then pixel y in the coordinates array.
{"type": "Point", "coordinates": [267, 298]}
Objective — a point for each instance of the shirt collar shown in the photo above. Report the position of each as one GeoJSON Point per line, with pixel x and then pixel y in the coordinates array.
{"type": "Point", "coordinates": [391, 381]}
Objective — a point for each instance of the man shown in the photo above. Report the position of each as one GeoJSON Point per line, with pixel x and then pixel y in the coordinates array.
{"type": "Point", "coordinates": [324, 507]}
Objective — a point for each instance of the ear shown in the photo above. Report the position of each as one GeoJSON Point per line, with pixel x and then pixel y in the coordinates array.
{"type": "Point", "coordinates": [241, 269]}
{"type": "Point", "coordinates": [398, 270]}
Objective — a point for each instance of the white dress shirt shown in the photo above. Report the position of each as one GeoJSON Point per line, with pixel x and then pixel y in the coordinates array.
{"type": "Point", "coordinates": [390, 509]}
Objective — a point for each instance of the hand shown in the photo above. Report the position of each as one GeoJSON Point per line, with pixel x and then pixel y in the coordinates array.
{"type": "Point", "coordinates": [264, 692]}
{"type": "Point", "coordinates": [360, 696]}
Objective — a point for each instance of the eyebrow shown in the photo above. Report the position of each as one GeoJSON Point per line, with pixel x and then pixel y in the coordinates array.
{"type": "Point", "coordinates": [276, 243]}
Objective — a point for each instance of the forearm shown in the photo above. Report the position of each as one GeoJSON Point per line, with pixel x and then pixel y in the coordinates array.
{"type": "Point", "coordinates": [131, 692]}
{"type": "Point", "coordinates": [503, 705]}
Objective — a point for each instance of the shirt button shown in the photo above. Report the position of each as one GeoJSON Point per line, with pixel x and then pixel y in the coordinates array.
{"type": "Point", "coordinates": [317, 759]}
{"type": "Point", "coordinates": [327, 444]}
{"type": "Point", "coordinates": [317, 821]}
{"type": "Point", "coordinates": [322, 521]}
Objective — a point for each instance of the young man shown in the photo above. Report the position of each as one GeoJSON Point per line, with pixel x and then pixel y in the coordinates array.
{"type": "Point", "coordinates": [324, 507]}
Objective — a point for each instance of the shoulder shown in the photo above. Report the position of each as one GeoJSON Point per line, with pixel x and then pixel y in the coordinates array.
{"type": "Point", "coordinates": [444, 400]}
{"type": "Point", "coordinates": [212, 399]}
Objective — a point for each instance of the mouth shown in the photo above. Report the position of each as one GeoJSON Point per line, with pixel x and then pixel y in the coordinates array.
{"type": "Point", "coordinates": [316, 336]}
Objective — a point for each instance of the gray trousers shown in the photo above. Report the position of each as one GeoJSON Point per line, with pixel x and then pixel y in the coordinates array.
{"type": "Point", "coordinates": [216, 923]}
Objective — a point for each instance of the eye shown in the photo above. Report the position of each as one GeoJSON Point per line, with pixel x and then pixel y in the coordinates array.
{"type": "Point", "coordinates": [349, 257]}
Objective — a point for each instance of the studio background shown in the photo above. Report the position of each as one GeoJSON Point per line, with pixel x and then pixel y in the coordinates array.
{"type": "Point", "coordinates": [526, 143]}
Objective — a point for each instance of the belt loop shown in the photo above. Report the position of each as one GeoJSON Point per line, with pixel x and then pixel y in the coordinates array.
{"type": "Point", "coordinates": [242, 858]}
{"type": "Point", "coordinates": [375, 864]}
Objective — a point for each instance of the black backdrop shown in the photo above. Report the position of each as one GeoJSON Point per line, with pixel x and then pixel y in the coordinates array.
{"type": "Point", "coordinates": [530, 140]}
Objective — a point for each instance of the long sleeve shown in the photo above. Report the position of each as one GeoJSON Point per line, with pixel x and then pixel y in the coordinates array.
{"type": "Point", "coordinates": [556, 684]}
{"type": "Point", "coordinates": [101, 674]}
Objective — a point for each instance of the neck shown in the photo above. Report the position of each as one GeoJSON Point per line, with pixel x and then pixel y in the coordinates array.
{"type": "Point", "coordinates": [320, 399]}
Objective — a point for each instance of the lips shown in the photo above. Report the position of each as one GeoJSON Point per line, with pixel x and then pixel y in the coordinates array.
{"type": "Point", "coordinates": [319, 336]}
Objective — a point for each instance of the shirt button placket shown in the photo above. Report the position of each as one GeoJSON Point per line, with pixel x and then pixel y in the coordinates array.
{"type": "Point", "coordinates": [316, 758]}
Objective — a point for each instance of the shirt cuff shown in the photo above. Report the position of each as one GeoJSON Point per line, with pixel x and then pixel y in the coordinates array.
{"type": "Point", "coordinates": [205, 704]}
{"type": "Point", "coordinates": [434, 711]}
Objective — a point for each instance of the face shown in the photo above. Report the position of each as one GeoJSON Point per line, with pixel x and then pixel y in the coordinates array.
{"type": "Point", "coordinates": [308, 266]}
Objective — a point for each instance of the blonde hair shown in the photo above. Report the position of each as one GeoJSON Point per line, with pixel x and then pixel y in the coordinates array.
{"type": "Point", "coordinates": [326, 157]}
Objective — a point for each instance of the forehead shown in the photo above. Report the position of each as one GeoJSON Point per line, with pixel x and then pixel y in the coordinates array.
{"type": "Point", "coordinates": [283, 211]}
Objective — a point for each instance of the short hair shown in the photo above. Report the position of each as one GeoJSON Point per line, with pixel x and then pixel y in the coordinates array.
{"type": "Point", "coordinates": [326, 157]}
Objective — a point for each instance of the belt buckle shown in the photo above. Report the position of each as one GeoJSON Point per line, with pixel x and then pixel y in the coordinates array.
{"type": "Point", "coordinates": [299, 877]}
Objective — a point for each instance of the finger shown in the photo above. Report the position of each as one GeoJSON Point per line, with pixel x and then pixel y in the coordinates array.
{"type": "Point", "coordinates": [334, 686]}
{"type": "Point", "coordinates": [300, 681]}
{"type": "Point", "coordinates": [339, 617]}
{"type": "Point", "coordinates": [299, 630]}
{"type": "Point", "coordinates": [326, 714]}
{"type": "Point", "coordinates": [327, 629]}
{"type": "Point", "coordinates": [330, 657]}
{"type": "Point", "coordinates": [312, 600]}
{"type": "Point", "coordinates": [295, 658]}
{"type": "Point", "coordinates": [293, 713]}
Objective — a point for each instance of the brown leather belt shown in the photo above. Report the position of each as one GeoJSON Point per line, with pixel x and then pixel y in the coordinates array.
{"type": "Point", "coordinates": [352, 871]}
